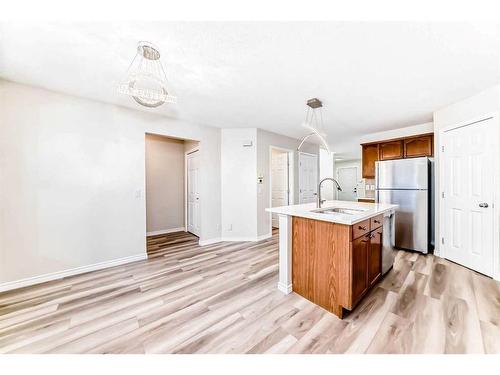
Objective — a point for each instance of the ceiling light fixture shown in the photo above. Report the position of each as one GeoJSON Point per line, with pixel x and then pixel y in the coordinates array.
{"type": "Point", "coordinates": [146, 79]}
{"type": "Point", "coordinates": [314, 123]}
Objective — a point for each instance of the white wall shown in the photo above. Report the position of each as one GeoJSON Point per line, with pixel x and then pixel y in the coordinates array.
{"type": "Point", "coordinates": [327, 169]}
{"type": "Point", "coordinates": [407, 131]}
{"type": "Point", "coordinates": [164, 183]}
{"type": "Point", "coordinates": [265, 140]}
{"type": "Point", "coordinates": [244, 200]}
{"type": "Point", "coordinates": [239, 183]}
{"type": "Point", "coordinates": [72, 175]}
{"type": "Point", "coordinates": [483, 103]}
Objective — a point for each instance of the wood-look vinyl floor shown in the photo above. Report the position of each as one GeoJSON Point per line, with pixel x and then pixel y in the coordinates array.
{"type": "Point", "coordinates": [222, 298]}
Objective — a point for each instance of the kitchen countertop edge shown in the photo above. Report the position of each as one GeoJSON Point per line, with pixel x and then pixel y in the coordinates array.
{"type": "Point", "coordinates": [307, 211]}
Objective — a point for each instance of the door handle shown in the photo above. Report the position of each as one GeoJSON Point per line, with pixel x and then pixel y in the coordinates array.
{"type": "Point", "coordinates": [483, 205]}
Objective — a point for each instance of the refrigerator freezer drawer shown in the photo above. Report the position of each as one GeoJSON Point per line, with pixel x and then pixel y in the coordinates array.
{"type": "Point", "coordinates": [411, 227]}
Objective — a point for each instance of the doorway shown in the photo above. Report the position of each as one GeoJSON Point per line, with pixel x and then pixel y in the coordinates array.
{"type": "Point", "coordinates": [308, 177]}
{"type": "Point", "coordinates": [281, 180]}
{"type": "Point", "coordinates": [348, 180]}
{"type": "Point", "coordinates": [193, 192]}
{"type": "Point", "coordinates": [469, 175]}
{"type": "Point", "coordinates": [164, 183]}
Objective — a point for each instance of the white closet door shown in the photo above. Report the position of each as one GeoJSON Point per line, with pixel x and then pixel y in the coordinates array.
{"type": "Point", "coordinates": [308, 177]}
{"type": "Point", "coordinates": [279, 178]}
{"type": "Point", "coordinates": [193, 194]}
{"type": "Point", "coordinates": [348, 180]}
{"type": "Point", "coordinates": [469, 158]}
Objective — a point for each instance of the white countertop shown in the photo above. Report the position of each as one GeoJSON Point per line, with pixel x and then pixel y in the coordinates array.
{"type": "Point", "coordinates": [308, 211]}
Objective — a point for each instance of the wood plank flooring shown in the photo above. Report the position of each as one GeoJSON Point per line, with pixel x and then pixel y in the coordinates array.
{"type": "Point", "coordinates": [222, 298]}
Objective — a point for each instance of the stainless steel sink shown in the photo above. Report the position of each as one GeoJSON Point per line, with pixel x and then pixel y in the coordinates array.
{"type": "Point", "coordinates": [340, 210]}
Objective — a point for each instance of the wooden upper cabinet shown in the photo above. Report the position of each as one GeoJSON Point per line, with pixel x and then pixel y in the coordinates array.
{"type": "Point", "coordinates": [418, 146]}
{"type": "Point", "coordinates": [400, 148]}
{"type": "Point", "coordinates": [391, 150]}
{"type": "Point", "coordinates": [370, 156]}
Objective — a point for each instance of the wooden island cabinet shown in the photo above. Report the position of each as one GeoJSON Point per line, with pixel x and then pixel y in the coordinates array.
{"type": "Point", "coordinates": [399, 148]}
{"type": "Point", "coordinates": [335, 265]}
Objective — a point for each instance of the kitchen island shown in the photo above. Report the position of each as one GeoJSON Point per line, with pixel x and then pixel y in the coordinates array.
{"type": "Point", "coordinates": [331, 255]}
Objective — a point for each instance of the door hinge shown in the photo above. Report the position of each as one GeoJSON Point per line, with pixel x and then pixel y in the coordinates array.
{"type": "Point", "coordinates": [442, 194]}
{"type": "Point", "coordinates": [442, 148]}
{"type": "Point", "coordinates": [442, 240]}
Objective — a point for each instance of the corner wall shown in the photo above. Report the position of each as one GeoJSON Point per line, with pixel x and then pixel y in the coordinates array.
{"type": "Point", "coordinates": [239, 184]}
{"type": "Point", "coordinates": [73, 182]}
{"type": "Point", "coordinates": [265, 140]}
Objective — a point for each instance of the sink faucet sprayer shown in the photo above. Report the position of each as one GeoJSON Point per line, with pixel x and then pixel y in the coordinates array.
{"type": "Point", "coordinates": [321, 201]}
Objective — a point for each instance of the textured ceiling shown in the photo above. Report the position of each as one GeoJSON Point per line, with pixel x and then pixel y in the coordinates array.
{"type": "Point", "coordinates": [370, 76]}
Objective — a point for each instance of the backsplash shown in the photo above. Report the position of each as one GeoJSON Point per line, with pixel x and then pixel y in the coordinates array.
{"type": "Point", "coordinates": [369, 185]}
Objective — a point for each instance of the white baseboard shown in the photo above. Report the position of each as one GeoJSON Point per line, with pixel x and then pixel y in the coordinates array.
{"type": "Point", "coordinates": [165, 231]}
{"type": "Point", "coordinates": [287, 289]}
{"type": "Point", "coordinates": [209, 242]}
{"type": "Point", "coordinates": [70, 272]}
{"type": "Point", "coordinates": [265, 236]}
{"type": "Point", "coordinates": [234, 239]}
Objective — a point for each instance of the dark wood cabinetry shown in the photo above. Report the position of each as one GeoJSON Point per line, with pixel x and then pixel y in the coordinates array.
{"type": "Point", "coordinates": [360, 248]}
{"type": "Point", "coordinates": [375, 256]}
{"type": "Point", "coordinates": [418, 146]}
{"type": "Point", "coordinates": [335, 265]}
{"type": "Point", "coordinates": [400, 148]}
{"type": "Point", "coordinates": [370, 156]}
{"type": "Point", "coordinates": [366, 259]}
{"type": "Point", "coordinates": [390, 150]}
{"type": "Point", "coordinates": [316, 252]}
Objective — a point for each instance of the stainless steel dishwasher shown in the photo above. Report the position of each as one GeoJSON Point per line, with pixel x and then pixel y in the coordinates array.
{"type": "Point", "coordinates": [388, 252]}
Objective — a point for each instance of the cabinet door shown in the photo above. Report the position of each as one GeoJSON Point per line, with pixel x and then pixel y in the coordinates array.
{"type": "Point", "coordinates": [359, 267]}
{"type": "Point", "coordinates": [391, 150]}
{"type": "Point", "coordinates": [370, 156]}
{"type": "Point", "coordinates": [375, 256]}
{"type": "Point", "coordinates": [419, 146]}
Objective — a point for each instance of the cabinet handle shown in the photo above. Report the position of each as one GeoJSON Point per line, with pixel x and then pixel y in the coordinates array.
{"type": "Point", "coordinates": [362, 228]}
{"type": "Point", "coordinates": [376, 221]}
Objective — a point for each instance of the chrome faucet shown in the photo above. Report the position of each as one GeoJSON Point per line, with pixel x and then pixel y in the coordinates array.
{"type": "Point", "coordinates": [321, 201]}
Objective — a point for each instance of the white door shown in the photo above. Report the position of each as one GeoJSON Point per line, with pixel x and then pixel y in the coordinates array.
{"type": "Point", "coordinates": [348, 180]}
{"type": "Point", "coordinates": [308, 177]}
{"type": "Point", "coordinates": [279, 180]}
{"type": "Point", "coordinates": [469, 159]}
{"type": "Point", "coordinates": [193, 193]}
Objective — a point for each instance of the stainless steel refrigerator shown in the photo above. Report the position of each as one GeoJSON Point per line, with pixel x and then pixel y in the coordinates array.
{"type": "Point", "coordinates": [408, 183]}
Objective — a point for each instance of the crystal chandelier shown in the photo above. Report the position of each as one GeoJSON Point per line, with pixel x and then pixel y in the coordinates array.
{"type": "Point", "coordinates": [146, 79]}
{"type": "Point", "coordinates": [314, 123]}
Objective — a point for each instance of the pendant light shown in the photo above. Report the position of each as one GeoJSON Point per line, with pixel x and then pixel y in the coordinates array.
{"type": "Point", "coordinates": [314, 123]}
{"type": "Point", "coordinates": [146, 80]}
